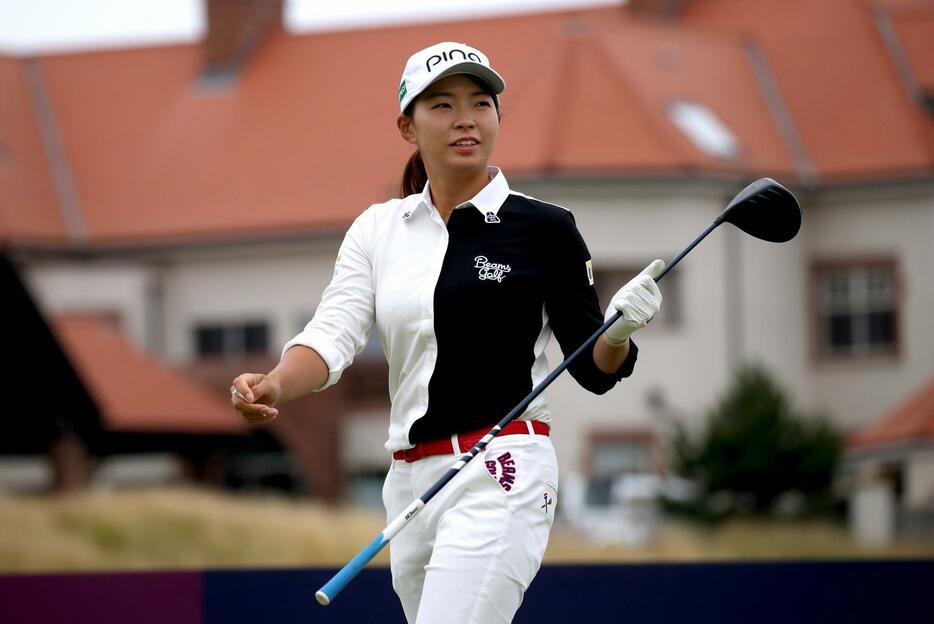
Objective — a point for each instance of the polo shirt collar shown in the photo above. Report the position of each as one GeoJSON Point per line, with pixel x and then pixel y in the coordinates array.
{"type": "Point", "coordinates": [489, 200]}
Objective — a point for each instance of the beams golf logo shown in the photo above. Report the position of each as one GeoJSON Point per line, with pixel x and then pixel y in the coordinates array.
{"type": "Point", "coordinates": [503, 469]}
{"type": "Point", "coordinates": [490, 270]}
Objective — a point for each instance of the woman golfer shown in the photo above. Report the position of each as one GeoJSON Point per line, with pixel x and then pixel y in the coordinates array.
{"type": "Point", "coordinates": [465, 280]}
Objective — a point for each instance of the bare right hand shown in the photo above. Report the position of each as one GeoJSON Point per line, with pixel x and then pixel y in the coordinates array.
{"type": "Point", "coordinates": [254, 396]}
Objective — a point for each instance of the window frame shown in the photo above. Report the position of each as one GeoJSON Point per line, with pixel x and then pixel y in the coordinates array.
{"type": "Point", "coordinates": [226, 326]}
{"type": "Point", "coordinates": [646, 437]}
{"type": "Point", "coordinates": [819, 268]}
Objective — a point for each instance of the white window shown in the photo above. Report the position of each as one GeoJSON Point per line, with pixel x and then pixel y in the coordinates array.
{"type": "Point", "coordinates": [856, 309]}
{"type": "Point", "coordinates": [702, 126]}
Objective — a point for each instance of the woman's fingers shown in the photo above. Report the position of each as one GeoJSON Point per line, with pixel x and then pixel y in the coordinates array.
{"type": "Point", "coordinates": [244, 391]}
{"type": "Point", "coordinates": [242, 386]}
{"type": "Point", "coordinates": [255, 413]}
{"type": "Point", "coordinates": [256, 417]}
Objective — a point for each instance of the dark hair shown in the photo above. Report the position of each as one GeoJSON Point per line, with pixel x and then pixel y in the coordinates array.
{"type": "Point", "coordinates": [414, 175]}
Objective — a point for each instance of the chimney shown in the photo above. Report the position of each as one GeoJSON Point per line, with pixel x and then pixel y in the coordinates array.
{"type": "Point", "coordinates": [236, 30]}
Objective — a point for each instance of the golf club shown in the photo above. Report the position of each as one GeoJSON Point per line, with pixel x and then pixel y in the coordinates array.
{"type": "Point", "coordinates": [765, 209]}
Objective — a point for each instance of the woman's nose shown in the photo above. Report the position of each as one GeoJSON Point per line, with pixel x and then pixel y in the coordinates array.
{"type": "Point", "coordinates": [465, 122]}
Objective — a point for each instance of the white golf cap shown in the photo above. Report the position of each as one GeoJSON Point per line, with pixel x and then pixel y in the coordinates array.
{"type": "Point", "coordinates": [444, 59]}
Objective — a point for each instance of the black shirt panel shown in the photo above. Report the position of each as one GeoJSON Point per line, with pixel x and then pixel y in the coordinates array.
{"type": "Point", "coordinates": [498, 275]}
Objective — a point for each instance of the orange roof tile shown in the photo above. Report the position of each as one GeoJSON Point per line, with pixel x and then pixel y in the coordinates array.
{"type": "Point", "coordinates": [841, 88]}
{"type": "Point", "coordinates": [305, 138]}
{"type": "Point", "coordinates": [912, 420]}
{"type": "Point", "coordinates": [914, 23]}
{"type": "Point", "coordinates": [134, 392]}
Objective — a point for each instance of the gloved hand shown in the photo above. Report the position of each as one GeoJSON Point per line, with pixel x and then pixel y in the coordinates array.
{"type": "Point", "coordinates": [639, 301]}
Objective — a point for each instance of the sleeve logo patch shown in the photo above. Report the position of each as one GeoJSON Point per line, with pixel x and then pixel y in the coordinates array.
{"type": "Point", "coordinates": [590, 272]}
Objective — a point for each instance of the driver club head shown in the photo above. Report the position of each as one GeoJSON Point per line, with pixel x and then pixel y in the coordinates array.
{"type": "Point", "coordinates": [765, 209]}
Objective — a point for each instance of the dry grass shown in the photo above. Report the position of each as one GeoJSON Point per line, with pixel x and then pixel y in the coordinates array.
{"type": "Point", "coordinates": [177, 528]}
{"type": "Point", "coordinates": [187, 528]}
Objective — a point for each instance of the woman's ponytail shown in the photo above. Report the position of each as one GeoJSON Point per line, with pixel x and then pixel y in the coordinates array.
{"type": "Point", "coordinates": [414, 175]}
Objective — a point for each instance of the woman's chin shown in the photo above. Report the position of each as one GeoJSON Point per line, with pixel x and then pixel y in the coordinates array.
{"type": "Point", "coordinates": [465, 164]}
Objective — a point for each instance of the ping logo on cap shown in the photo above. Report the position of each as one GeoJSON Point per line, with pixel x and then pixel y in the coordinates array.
{"type": "Point", "coordinates": [443, 59]}
{"type": "Point", "coordinates": [448, 55]}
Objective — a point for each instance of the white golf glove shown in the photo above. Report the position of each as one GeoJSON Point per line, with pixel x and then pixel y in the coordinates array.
{"type": "Point", "coordinates": [639, 301]}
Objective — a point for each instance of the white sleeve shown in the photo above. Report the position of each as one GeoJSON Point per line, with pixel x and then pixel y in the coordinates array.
{"type": "Point", "coordinates": [341, 324]}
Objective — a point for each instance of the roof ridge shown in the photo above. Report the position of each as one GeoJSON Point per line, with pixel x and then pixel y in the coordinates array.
{"type": "Point", "coordinates": [777, 107]}
{"type": "Point", "coordinates": [56, 154]}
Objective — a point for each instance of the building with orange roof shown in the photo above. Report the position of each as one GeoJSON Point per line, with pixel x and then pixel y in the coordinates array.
{"type": "Point", "coordinates": [201, 195]}
{"type": "Point", "coordinates": [89, 395]}
{"type": "Point", "coordinates": [891, 465]}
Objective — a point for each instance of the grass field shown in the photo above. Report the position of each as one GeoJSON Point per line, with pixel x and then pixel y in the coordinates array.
{"type": "Point", "coordinates": [188, 528]}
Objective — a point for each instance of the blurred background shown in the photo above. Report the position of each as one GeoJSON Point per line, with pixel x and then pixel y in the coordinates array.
{"type": "Point", "coordinates": [176, 178]}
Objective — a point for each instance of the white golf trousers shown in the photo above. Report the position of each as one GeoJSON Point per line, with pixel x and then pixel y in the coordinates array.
{"type": "Point", "coordinates": [471, 553]}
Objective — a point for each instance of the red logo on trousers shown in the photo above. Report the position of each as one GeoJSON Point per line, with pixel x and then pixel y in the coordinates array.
{"type": "Point", "coordinates": [504, 469]}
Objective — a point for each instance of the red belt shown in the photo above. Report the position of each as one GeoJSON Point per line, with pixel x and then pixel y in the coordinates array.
{"type": "Point", "coordinates": [467, 440]}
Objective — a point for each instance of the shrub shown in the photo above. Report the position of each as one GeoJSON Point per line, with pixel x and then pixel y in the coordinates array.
{"type": "Point", "coordinates": [755, 451]}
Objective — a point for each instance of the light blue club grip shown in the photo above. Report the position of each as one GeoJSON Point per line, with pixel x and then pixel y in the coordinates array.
{"type": "Point", "coordinates": [333, 587]}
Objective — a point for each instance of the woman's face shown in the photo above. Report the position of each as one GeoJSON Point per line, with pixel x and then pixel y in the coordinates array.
{"type": "Point", "coordinates": [455, 124]}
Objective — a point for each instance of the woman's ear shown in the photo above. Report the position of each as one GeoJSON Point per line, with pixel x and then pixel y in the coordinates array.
{"type": "Point", "coordinates": [406, 128]}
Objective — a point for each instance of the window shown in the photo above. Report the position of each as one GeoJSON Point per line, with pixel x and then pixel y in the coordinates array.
{"type": "Point", "coordinates": [232, 339]}
{"type": "Point", "coordinates": [702, 126]}
{"type": "Point", "coordinates": [856, 306]}
{"type": "Point", "coordinates": [608, 281]}
{"type": "Point", "coordinates": [615, 455]}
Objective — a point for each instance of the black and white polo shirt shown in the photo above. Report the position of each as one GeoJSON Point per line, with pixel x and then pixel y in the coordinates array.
{"type": "Point", "coordinates": [464, 310]}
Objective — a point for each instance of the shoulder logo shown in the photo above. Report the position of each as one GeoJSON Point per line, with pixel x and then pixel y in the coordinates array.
{"type": "Point", "coordinates": [491, 270]}
{"type": "Point", "coordinates": [590, 272]}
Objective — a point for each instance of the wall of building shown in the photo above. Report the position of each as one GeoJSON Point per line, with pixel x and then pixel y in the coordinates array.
{"type": "Point", "coordinates": [741, 300]}
{"type": "Point", "coordinates": [890, 221]}
{"type": "Point", "coordinates": [281, 284]}
{"type": "Point", "coordinates": [115, 286]}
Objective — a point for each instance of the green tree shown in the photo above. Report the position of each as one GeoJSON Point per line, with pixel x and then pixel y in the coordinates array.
{"type": "Point", "coordinates": [754, 448]}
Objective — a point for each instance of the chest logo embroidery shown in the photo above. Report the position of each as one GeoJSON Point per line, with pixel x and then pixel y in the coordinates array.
{"type": "Point", "coordinates": [491, 270]}
{"type": "Point", "coordinates": [503, 469]}
{"type": "Point", "coordinates": [491, 218]}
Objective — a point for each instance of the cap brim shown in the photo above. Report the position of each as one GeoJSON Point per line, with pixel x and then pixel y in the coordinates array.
{"type": "Point", "coordinates": [484, 73]}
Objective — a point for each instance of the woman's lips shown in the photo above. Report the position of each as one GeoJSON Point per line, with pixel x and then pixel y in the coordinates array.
{"type": "Point", "coordinates": [466, 149]}
{"type": "Point", "coordinates": [465, 145]}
